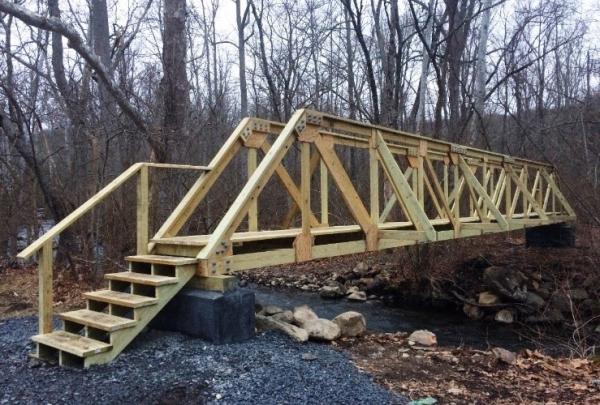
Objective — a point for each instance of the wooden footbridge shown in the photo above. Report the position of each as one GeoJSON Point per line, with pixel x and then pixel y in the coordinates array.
{"type": "Point", "coordinates": [434, 190]}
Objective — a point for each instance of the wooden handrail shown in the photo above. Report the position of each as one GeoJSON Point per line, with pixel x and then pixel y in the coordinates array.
{"type": "Point", "coordinates": [79, 212]}
{"type": "Point", "coordinates": [93, 201]}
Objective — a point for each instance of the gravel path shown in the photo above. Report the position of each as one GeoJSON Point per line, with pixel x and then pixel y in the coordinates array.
{"type": "Point", "coordinates": [165, 368]}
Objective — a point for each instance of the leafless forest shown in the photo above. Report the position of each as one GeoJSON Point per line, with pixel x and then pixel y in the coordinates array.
{"type": "Point", "coordinates": [88, 88]}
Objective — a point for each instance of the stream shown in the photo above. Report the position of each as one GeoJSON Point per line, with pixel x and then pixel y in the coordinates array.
{"type": "Point", "coordinates": [451, 328]}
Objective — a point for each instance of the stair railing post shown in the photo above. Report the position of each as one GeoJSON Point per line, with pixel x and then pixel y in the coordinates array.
{"type": "Point", "coordinates": [45, 287]}
{"type": "Point", "coordinates": [142, 211]}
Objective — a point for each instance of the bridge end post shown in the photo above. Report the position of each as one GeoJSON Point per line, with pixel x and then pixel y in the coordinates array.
{"type": "Point", "coordinates": [559, 235]}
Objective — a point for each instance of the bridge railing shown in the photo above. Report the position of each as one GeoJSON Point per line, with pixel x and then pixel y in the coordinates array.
{"type": "Point", "coordinates": [43, 246]}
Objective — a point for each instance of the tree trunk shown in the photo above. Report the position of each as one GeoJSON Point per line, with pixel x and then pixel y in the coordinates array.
{"type": "Point", "coordinates": [174, 83]}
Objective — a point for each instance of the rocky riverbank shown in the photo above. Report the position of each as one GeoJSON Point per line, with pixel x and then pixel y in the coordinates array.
{"type": "Point", "coordinates": [495, 278]}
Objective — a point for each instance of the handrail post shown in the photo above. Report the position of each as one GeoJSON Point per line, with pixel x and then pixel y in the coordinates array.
{"type": "Point", "coordinates": [45, 287]}
{"type": "Point", "coordinates": [142, 211]}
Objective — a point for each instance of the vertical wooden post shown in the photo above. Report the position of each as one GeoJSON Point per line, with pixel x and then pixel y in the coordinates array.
{"type": "Point", "coordinates": [305, 186]}
{"type": "Point", "coordinates": [374, 178]}
{"type": "Point", "coordinates": [421, 173]}
{"type": "Point", "coordinates": [142, 211]}
{"type": "Point", "coordinates": [524, 198]}
{"type": "Point", "coordinates": [303, 242]}
{"type": "Point", "coordinates": [508, 194]}
{"type": "Point", "coordinates": [253, 209]}
{"type": "Point", "coordinates": [324, 193]}
{"type": "Point", "coordinates": [45, 288]}
{"type": "Point", "coordinates": [456, 193]}
{"type": "Point", "coordinates": [446, 180]}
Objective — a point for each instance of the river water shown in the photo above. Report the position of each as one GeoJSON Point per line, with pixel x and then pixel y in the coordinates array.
{"type": "Point", "coordinates": [451, 328]}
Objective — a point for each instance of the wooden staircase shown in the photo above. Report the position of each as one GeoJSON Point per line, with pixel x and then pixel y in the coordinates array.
{"type": "Point", "coordinates": [113, 317]}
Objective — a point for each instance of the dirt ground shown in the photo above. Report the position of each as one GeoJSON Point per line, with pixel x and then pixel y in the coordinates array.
{"type": "Point", "coordinates": [461, 375]}
{"type": "Point", "coordinates": [19, 290]}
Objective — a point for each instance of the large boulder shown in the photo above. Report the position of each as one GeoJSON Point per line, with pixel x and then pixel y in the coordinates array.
{"type": "Point", "coordinates": [332, 291]}
{"type": "Point", "coordinates": [359, 296]}
{"type": "Point", "coordinates": [534, 300]}
{"type": "Point", "coordinates": [423, 338]}
{"type": "Point", "coordinates": [269, 310]}
{"type": "Point", "coordinates": [322, 329]}
{"type": "Point", "coordinates": [578, 294]}
{"type": "Point", "coordinates": [351, 323]}
{"type": "Point", "coordinates": [268, 323]}
{"type": "Point", "coordinates": [304, 314]}
{"type": "Point", "coordinates": [285, 316]}
{"type": "Point", "coordinates": [506, 282]}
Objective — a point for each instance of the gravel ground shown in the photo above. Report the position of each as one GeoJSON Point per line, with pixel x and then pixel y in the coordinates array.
{"type": "Point", "coordinates": [166, 368]}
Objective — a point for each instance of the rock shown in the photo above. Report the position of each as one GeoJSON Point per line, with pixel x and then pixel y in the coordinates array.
{"type": "Point", "coordinates": [352, 289]}
{"type": "Point", "coordinates": [560, 302]}
{"type": "Point", "coordinates": [285, 316]}
{"type": "Point", "coordinates": [322, 329]}
{"type": "Point", "coordinates": [552, 315]}
{"type": "Point", "coordinates": [358, 296]}
{"type": "Point", "coordinates": [472, 311]}
{"type": "Point", "coordinates": [331, 291]}
{"type": "Point", "coordinates": [504, 316]}
{"type": "Point", "coordinates": [578, 294]}
{"type": "Point", "coordinates": [505, 282]}
{"type": "Point", "coordinates": [591, 306]}
{"type": "Point", "coordinates": [267, 323]}
{"type": "Point", "coordinates": [351, 323]}
{"type": "Point", "coordinates": [423, 337]}
{"type": "Point", "coordinates": [534, 300]}
{"type": "Point", "coordinates": [504, 355]}
{"type": "Point", "coordinates": [361, 267]}
{"type": "Point", "coordinates": [488, 298]}
{"type": "Point", "coordinates": [303, 314]}
{"type": "Point", "coordinates": [269, 310]}
{"type": "Point", "coordinates": [309, 356]}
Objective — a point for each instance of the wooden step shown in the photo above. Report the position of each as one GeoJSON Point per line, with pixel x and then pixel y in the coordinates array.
{"type": "Point", "coordinates": [98, 320]}
{"type": "Point", "coordinates": [164, 260]}
{"type": "Point", "coordinates": [120, 298]}
{"type": "Point", "coordinates": [71, 343]}
{"type": "Point", "coordinates": [141, 278]}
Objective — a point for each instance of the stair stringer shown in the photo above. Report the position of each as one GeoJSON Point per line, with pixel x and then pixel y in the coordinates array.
{"type": "Point", "coordinates": [122, 338]}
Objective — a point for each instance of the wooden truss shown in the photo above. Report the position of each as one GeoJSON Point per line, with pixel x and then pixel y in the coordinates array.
{"type": "Point", "coordinates": [438, 191]}
{"type": "Point", "coordinates": [441, 190]}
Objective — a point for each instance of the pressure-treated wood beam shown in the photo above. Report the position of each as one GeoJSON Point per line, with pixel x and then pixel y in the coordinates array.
{"type": "Point", "coordinates": [556, 191]}
{"type": "Point", "coordinates": [143, 202]}
{"type": "Point", "coordinates": [349, 194]}
{"type": "Point", "coordinates": [522, 187]}
{"type": "Point", "coordinates": [403, 191]}
{"type": "Point", "coordinates": [476, 186]}
{"type": "Point", "coordinates": [252, 189]}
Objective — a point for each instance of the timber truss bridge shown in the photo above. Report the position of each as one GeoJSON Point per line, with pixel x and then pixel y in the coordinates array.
{"type": "Point", "coordinates": [439, 191]}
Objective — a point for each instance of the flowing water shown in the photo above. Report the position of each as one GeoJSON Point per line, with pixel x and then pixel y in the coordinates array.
{"type": "Point", "coordinates": [451, 328]}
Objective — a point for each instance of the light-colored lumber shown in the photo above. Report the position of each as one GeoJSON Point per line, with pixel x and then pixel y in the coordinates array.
{"type": "Point", "coordinates": [79, 212]}
{"type": "Point", "coordinates": [403, 191]}
{"type": "Point", "coordinates": [120, 298]}
{"type": "Point", "coordinates": [165, 260]}
{"type": "Point", "coordinates": [45, 294]}
{"type": "Point", "coordinates": [98, 320]}
{"type": "Point", "coordinates": [143, 206]}
{"type": "Point", "coordinates": [141, 278]}
{"type": "Point", "coordinates": [72, 343]}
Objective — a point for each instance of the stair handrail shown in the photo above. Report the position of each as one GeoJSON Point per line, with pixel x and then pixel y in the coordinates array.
{"type": "Point", "coordinates": [44, 242]}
